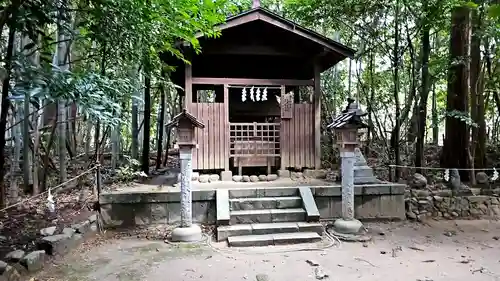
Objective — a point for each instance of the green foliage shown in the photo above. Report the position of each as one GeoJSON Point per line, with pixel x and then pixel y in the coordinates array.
{"type": "Point", "coordinates": [130, 171]}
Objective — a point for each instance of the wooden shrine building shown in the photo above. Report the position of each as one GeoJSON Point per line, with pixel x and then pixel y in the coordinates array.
{"type": "Point", "coordinates": [257, 90]}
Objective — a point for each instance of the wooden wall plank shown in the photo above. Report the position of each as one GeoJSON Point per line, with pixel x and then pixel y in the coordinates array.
{"type": "Point", "coordinates": [317, 115]}
{"type": "Point", "coordinates": [293, 141]}
{"type": "Point", "coordinates": [206, 140]}
{"type": "Point", "coordinates": [310, 136]}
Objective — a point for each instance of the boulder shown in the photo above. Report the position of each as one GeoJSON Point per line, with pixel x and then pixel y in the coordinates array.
{"type": "Point", "coordinates": [48, 231]}
{"type": "Point", "coordinates": [34, 260]}
{"type": "Point", "coordinates": [14, 256]}
{"type": "Point", "coordinates": [262, 178]}
{"type": "Point", "coordinates": [254, 178]}
{"type": "Point", "coordinates": [213, 178]}
{"type": "Point", "coordinates": [237, 178]}
{"type": "Point", "coordinates": [204, 178]}
{"type": "Point", "coordinates": [59, 244]}
{"type": "Point", "coordinates": [482, 178]}
{"type": "Point", "coordinates": [195, 176]}
{"type": "Point", "coordinates": [272, 177]}
{"type": "Point", "coordinates": [8, 272]}
{"type": "Point", "coordinates": [417, 181]}
{"type": "Point", "coordinates": [246, 178]}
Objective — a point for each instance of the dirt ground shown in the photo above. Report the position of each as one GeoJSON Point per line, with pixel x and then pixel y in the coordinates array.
{"type": "Point", "coordinates": [435, 250]}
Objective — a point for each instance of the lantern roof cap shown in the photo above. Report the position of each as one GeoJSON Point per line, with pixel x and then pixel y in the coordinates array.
{"type": "Point", "coordinates": [185, 115]}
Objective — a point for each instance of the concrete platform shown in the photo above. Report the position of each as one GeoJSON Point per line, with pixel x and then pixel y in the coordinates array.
{"type": "Point", "coordinates": [143, 204]}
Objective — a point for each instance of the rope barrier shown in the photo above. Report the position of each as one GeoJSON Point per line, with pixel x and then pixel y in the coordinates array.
{"type": "Point", "coordinates": [49, 189]}
{"type": "Point", "coordinates": [436, 168]}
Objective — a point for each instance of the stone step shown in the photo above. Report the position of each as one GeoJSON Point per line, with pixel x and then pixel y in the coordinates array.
{"type": "Point", "coordinates": [223, 232]}
{"type": "Point", "coordinates": [273, 239]}
{"type": "Point", "coordinates": [252, 203]}
{"type": "Point", "coordinates": [263, 192]}
{"type": "Point", "coordinates": [267, 215]}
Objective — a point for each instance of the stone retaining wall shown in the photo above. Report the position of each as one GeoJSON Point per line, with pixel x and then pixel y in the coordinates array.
{"type": "Point", "coordinates": [422, 204]}
{"type": "Point", "coordinates": [53, 242]}
{"type": "Point", "coordinates": [125, 209]}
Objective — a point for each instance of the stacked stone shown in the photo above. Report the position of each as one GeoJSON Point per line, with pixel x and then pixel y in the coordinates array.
{"type": "Point", "coordinates": [53, 243]}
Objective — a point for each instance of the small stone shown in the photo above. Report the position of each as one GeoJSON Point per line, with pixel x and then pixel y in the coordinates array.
{"type": "Point", "coordinates": [15, 256]}
{"type": "Point", "coordinates": [92, 218]}
{"type": "Point", "coordinates": [195, 176]}
{"type": "Point", "coordinates": [320, 174]}
{"type": "Point", "coordinates": [68, 231]}
{"type": "Point", "coordinates": [48, 231]}
{"type": "Point", "coordinates": [272, 177]}
{"type": "Point", "coordinates": [454, 214]}
{"type": "Point", "coordinates": [246, 178]}
{"type": "Point", "coordinates": [262, 178]}
{"type": "Point", "coordinates": [320, 274]}
{"type": "Point", "coordinates": [312, 263]}
{"type": "Point", "coordinates": [82, 227]}
{"type": "Point", "coordinates": [308, 173]}
{"type": "Point", "coordinates": [262, 277]}
{"type": "Point", "coordinates": [254, 178]}
{"type": "Point", "coordinates": [237, 178]}
{"type": "Point", "coordinates": [297, 175]}
{"type": "Point", "coordinates": [438, 198]}
{"type": "Point", "coordinates": [34, 261]}
{"type": "Point", "coordinates": [3, 238]}
{"type": "Point", "coordinates": [213, 178]}
{"type": "Point", "coordinates": [417, 181]}
{"type": "Point", "coordinates": [482, 178]}
{"type": "Point", "coordinates": [8, 272]}
{"type": "Point", "coordinates": [383, 252]}
{"type": "Point", "coordinates": [284, 173]}
{"type": "Point", "coordinates": [204, 178]}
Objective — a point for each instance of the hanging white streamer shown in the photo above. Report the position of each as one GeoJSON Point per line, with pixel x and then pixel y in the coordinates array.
{"type": "Point", "coordinates": [251, 94]}
{"type": "Point", "coordinates": [51, 205]}
{"type": "Point", "coordinates": [244, 94]}
{"type": "Point", "coordinates": [257, 94]}
{"type": "Point", "coordinates": [495, 175]}
{"type": "Point", "coordinates": [446, 175]}
{"type": "Point", "coordinates": [264, 94]}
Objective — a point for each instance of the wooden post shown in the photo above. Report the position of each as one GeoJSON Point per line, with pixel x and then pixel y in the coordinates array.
{"type": "Point", "coordinates": [283, 138]}
{"type": "Point", "coordinates": [226, 127]}
{"type": "Point", "coordinates": [317, 116]}
{"type": "Point", "coordinates": [188, 86]}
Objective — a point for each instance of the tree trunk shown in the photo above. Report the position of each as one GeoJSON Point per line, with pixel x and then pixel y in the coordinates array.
{"type": "Point", "coordinates": [5, 109]}
{"type": "Point", "coordinates": [36, 146]}
{"type": "Point", "coordinates": [397, 126]}
{"type": "Point", "coordinates": [147, 123]}
{"type": "Point", "coordinates": [161, 127]}
{"type": "Point", "coordinates": [456, 144]}
{"type": "Point", "coordinates": [422, 107]}
{"type": "Point", "coordinates": [13, 193]}
{"type": "Point", "coordinates": [135, 124]}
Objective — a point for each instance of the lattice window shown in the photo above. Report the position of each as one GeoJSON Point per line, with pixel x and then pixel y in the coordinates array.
{"type": "Point", "coordinates": [254, 139]}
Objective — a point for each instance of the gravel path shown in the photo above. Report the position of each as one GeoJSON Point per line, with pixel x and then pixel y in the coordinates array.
{"type": "Point", "coordinates": [437, 250]}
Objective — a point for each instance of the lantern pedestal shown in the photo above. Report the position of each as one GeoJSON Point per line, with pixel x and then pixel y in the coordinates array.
{"type": "Point", "coordinates": [186, 124]}
{"type": "Point", "coordinates": [187, 234]}
{"type": "Point", "coordinates": [348, 228]}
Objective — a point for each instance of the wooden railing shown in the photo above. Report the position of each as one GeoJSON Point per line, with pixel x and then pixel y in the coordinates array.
{"type": "Point", "coordinates": [254, 139]}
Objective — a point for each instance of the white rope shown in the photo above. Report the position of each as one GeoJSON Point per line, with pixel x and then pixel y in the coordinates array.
{"type": "Point", "coordinates": [442, 169]}
{"type": "Point", "coordinates": [49, 190]}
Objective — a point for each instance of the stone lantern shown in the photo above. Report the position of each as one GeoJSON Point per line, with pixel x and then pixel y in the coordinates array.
{"type": "Point", "coordinates": [186, 124]}
{"type": "Point", "coordinates": [346, 127]}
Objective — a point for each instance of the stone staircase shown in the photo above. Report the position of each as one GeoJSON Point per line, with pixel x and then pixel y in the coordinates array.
{"type": "Point", "coordinates": [267, 216]}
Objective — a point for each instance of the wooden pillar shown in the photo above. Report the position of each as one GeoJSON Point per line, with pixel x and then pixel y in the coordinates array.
{"type": "Point", "coordinates": [188, 86]}
{"type": "Point", "coordinates": [226, 127]}
{"type": "Point", "coordinates": [283, 138]}
{"type": "Point", "coordinates": [317, 116]}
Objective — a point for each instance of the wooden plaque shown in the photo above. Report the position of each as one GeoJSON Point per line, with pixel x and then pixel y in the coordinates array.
{"type": "Point", "coordinates": [286, 106]}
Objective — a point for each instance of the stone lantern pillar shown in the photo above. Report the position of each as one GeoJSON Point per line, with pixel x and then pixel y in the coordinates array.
{"type": "Point", "coordinates": [346, 127]}
{"type": "Point", "coordinates": [186, 124]}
